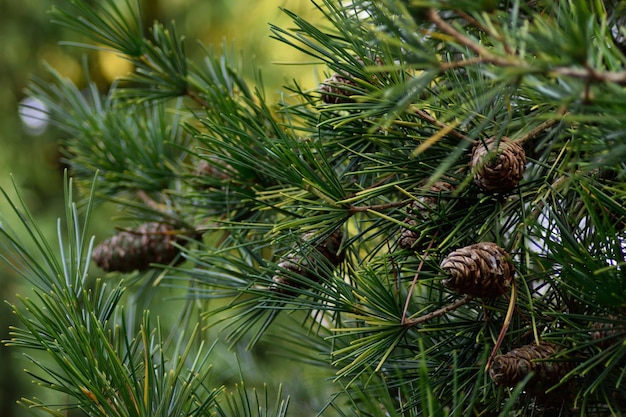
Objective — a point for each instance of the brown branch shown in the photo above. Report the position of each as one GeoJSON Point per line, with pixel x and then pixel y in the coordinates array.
{"type": "Point", "coordinates": [444, 66]}
{"type": "Point", "coordinates": [464, 40]}
{"type": "Point", "coordinates": [505, 325]}
{"type": "Point", "coordinates": [415, 278]}
{"type": "Point", "coordinates": [450, 130]}
{"type": "Point", "coordinates": [485, 56]}
{"type": "Point", "coordinates": [148, 201]}
{"type": "Point", "coordinates": [439, 312]}
{"type": "Point", "coordinates": [591, 74]}
{"type": "Point", "coordinates": [485, 29]}
{"type": "Point", "coordinates": [378, 207]}
{"type": "Point", "coordinates": [532, 134]}
{"type": "Point", "coordinates": [196, 98]}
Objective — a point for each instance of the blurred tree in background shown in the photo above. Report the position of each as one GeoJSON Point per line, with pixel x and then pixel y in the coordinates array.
{"type": "Point", "coordinates": [435, 229]}
{"type": "Point", "coordinates": [27, 38]}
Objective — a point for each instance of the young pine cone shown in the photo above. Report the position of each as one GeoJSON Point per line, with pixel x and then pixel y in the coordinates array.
{"type": "Point", "coordinates": [511, 368]}
{"type": "Point", "coordinates": [212, 168]}
{"type": "Point", "coordinates": [420, 210]}
{"type": "Point", "coordinates": [308, 262]}
{"type": "Point", "coordinates": [136, 249]}
{"type": "Point", "coordinates": [608, 333]}
{"type": "Point", "coordinates": [498, 170]}
{"type": "Point", "coordinates": [340, 86]}
{"type": "Point", "coordinates": [337, 89]}
{"type": "Point", "coordinates": [481, 270]}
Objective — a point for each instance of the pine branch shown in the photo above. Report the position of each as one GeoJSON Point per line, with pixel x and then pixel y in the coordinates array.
{"type": "Point", "coordinates": [102, 369]}
{"type": "Point", "coordinates": [143, 152]}
{"type": "Point", "coordinates": [435, 129]}
{"type": "Point", "coordinates": [116, 27]}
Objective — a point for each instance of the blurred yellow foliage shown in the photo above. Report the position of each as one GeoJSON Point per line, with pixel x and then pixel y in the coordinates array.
{"type": "Point", "coordinates": [113, 66]}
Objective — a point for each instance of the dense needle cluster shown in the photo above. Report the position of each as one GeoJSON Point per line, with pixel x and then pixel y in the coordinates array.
{"type": "Point", "coordinates": [419, 210]}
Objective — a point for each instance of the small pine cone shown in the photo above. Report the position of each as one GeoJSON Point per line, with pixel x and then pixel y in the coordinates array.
{"type": "Point", "coordinates": [498, 171]}
{"type": "Point", "coordinates": [512, 367]}
{"type": "Point", "coordinates": [340, 86]}
{"type": "Point", "coordinates": [606, 333]}
{"type": "Point", "coordinates": [305, 261]}
{"type": "Point", "coordinates": [136, 249]}
{"type": "Point", "coordinates": [212, 169]}
{"type": "Point", "coordinates": [337, 89]}
{"type": "Point", "coordinates": [211, 174]}
{"type": "Point", "coordinates": [481, 270]}
{"type": "Point", "coordinates": [421, 209]}
{"type": "Point", "coordinates": [409, 237]}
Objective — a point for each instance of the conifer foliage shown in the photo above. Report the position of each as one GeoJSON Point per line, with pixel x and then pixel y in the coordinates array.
{"type": "Point", "coordinates": [443, 214]}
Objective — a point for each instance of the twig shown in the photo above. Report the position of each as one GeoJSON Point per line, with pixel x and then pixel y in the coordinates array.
{"type": "Point", "coordinates": [505, 325]}
{"type": "Point", "coordinates": [415, 278]}
{"type": "Point", "coordinates": [485, 29]}
{"type": "Point", "coordinates": [444, 66]}
{"type": "Point", "coordinates": [464, 40]}
{"type": "Point", "coordinates": [485, 56]}
{"type": "Point", "coordinates": [195, 97]}
{"type": "Point", "coordinates": [450, 130]}
{"type": "Point", "coordinates": [544, 126]}
{"type": "Point", "coordinates": [592, 74]}
{"type": "Point", "coordinates": [148, 201]}
{"type": "Point", "coordinates": [379, 207]}
{"type": "Point", "coordinates": [439, 312]}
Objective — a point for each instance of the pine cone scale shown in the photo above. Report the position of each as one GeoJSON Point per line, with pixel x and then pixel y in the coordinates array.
{"type": "Point", "coordinates": [480, 270]}
{"type": "Point", "coordinates": [498, 165]}
{"type": "Point", "coordinates": [137, 249]}
{"type": "Point", "coordinates": [511, 368]}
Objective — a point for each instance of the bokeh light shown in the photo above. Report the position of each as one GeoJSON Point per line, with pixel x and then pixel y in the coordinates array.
{"type": "Point", "coordinates": [34, 116]}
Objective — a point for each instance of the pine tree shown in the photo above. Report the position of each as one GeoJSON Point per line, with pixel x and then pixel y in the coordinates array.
{"type": "Point", "coordinates": [443, 216]}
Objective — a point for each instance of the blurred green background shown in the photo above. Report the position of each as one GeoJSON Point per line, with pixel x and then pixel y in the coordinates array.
{"type": "Point", "coordinates": [29, 153]}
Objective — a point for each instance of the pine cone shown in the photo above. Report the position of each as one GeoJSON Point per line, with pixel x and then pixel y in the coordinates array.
{"type": "Point", "coordinates": [409, 237]}
{"type": "Point", "coordinates": [212, 169]}
{"type": "Point", "coordinates": [481, 270]}
{"type": "Point", "coordinates": [607, 333]}
{"type": "Point", "coordinates": [498, 171]}
{"type": "Point", "coordinates": [305, 261]}
{"type": "Point", "coordinates": [337, 89]}
{"type": "Point", "coordinates": [340, 86]}
{"type": "Point", "coordinates": [511, 368]}
{"type": "Point", "coordinates": [420, 210]}
{"type": "Point", "coordinates": [136, 249]}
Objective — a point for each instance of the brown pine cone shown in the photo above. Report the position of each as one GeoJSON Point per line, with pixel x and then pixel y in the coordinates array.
{"type": "Point", "coordinates": [420, 210]}
{"type": "Point", "coordinates": [307, 261]}
{"type": "Point", "coordinates": [498, 170]}
{"type": "Point", "coordinates": [481, 270]}
{"type": "Point", "coordinates": [136, 249]}
{"type": "Point", "coordinates": [337, 89]}
{"type": "Point", "coordinates": [213, 168]}
{"type": "Point", "coordinates": [409, 237]}
{"type": "Point", "coordinates": [608, 333]}
{"type": "Point", "coordinates": [340, 86]}
{"type": "Point", "coordinates": [511, 368]}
